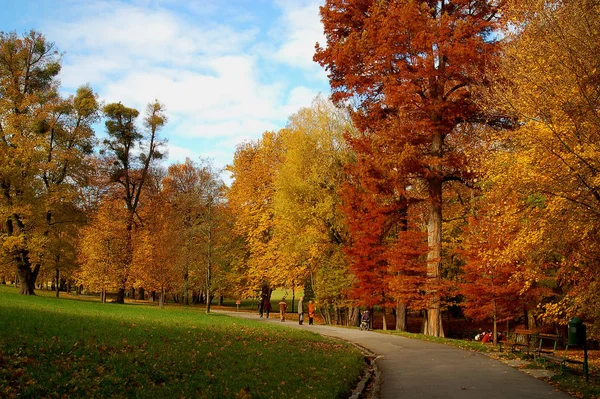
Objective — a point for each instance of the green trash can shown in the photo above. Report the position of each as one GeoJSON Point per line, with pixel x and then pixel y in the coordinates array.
{"type": "Point", "coordinates": [576, 332]}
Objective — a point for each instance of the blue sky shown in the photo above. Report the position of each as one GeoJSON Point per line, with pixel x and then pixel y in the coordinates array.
{"type": "Point", "coordinates": [227, 70]}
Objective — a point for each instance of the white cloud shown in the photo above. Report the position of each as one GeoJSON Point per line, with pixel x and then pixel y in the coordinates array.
{"type": "Point", "coordinates": [222, 82]}
{"type": "Point", "coordinates": [225, 128]}
{"type": "Point", "coordinates": [179, 154]}
{"type": "Point", "coordinates": [301, 28]}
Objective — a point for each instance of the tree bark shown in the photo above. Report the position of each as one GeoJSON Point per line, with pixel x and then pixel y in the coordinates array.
{"type": "Point", "coordinates": [354, 317]}
{"type": "Point", "coordinates": [57, 286]}
{"type": "Point", "coordinates": [384, 320]}
{"type": "Point", "coordinates": [120, 295]}
{"type": "Point", "coordinates": [401, 317]}
{"type": "Point", "coordinates": [27, 278]}
{"type": "Point", "coordinates": [433, 324]}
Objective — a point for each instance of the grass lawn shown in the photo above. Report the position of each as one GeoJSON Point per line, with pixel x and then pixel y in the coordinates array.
{"type": "Point", "coordinates": [68, 348]}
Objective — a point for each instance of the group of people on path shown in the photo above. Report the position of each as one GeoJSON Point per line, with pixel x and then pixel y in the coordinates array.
{"type": "Point", "coordinates": [264, 306]}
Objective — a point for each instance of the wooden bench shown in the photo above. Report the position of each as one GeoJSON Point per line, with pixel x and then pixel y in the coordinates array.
{"type": "Point", "coordinates": [546, 354]}
{"type": "Point", "coordinates": [520, 340]}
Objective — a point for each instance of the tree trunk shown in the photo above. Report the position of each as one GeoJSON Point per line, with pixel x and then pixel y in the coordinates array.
{"type": "Point", "coordinates": [531, 324]}
{"type": "Point", "coordinates": [293, 298]}
{"type": "Point", "coordinates": [433, 324]}
{"type": "Point", "coordinates": [354, 317]}
{"type": "Point", "coordinates": [27, 278]}
{"type": "Point", "coordinates": [57, 282]}
{"type": "Point", "coordinates": [161, 301]}
{"type": "Point", "coordinates": [186, 298]}
{"type": "Point", "coordinates": [120, 296]}
{"type": "Point", "coordinates": [221, 300]}
{"type": "Point", "coordinates": [325, 312]}
{"type": "Point", "coordinates": [495, 326]}
{"type": "Point", "coordinates": [208, 280]}
{"type": "Point", "coordinates": [401, 317]}
{"type": "Point", "coordinates": [132, 293]}
{"type": "Point", "coordinates": [103, 295]}
{"type": "Point", "coordinates": [384, 321]}
{"type": "Point", "coordinates": [141, 293]}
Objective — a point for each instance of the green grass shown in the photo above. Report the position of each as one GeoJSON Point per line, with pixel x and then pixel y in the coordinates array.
{"type": "Point", "coordinates": [67, 348]}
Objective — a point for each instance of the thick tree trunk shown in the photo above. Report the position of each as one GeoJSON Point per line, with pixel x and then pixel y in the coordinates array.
{"type": "Point", "coordinates": [132, 293]}
{"type": "Point", "coordinates": [384, 320]}
{"type": "Point", "coordinates": [27, 278]}
{"type": "Point", "coordinates": [141, 293]}
{"type": "Point", "coordinates": [120, 296]}
{"type": "Point", "coordinates": [161, 300]}
{"type": "Point", "coordinates": [433, 325]}
{"type": "Point", "coordinates": [354, 316]}
{"type": "Point", "coordinates": [401, 317]}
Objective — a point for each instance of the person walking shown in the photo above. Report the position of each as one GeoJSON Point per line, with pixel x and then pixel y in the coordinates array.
{"type": "Point", "coordinates": [300, 311]}
{"type": "Point", "coordinates": [267, 307]}
{"type": "Point", "coordinates": [311, 312]}
{"type": "Point", "coordinates": [282, 308]}
{"type": "Point", "coordinates": [261, 306]}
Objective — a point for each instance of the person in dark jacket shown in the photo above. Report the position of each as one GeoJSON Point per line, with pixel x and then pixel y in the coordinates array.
{"type": "Point", "coordinates": [267, 307]}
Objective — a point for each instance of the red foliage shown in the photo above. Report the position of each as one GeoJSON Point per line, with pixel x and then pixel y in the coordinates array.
{"type": "Point", "coordinates": [411, 66]}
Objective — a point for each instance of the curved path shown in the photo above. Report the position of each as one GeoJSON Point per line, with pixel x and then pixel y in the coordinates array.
{"type": "Point", "coordinates": [415, 369]}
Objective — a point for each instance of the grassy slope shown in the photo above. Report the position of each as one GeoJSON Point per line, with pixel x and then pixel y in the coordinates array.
{"type": "Point", "coordinates": [51, 347]}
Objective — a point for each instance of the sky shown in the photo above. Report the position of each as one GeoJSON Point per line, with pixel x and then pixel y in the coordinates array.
{"type": "Point", "coordinates": [227, 70]}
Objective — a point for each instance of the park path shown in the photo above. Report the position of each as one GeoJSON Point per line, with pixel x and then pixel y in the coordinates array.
{"type": "Point", "coordinates": [415, 369]}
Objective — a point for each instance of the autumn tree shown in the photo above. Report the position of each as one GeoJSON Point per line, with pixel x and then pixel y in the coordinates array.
{"type": "Point", "coordinates": [548, 81]}
{"type": "Point", "coordinates": [409, 67]}
{"type": "Point", "coordinates": [70, 140]}
{"type": "Point", "coordinates": [251, 199]}
{"type": "Point", "coordinates": [103, 248]}
{"type": "Point", "coordinates": [196, 194]}
{"type": "Point", "coordinates": [157, 248]}
{"type": "Point", "coordinates": [310, 229]}
{"type": "Point", "coordinates": [133, 150]}
{"type": "Point", "coordinates": [386, 248]}
{"type": "Point", "coordinates": [45, 139]}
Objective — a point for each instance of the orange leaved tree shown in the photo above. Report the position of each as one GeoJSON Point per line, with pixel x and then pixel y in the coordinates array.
{"type": "Point", "coordinates": [410, 68]}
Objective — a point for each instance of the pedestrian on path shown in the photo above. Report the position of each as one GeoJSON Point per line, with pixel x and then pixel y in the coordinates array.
{"type": "Point", "coordinates": [311, 312]}
{"type": "Point", "coordinates": [267, 307]}
{"type": "Point", "coordinates": [282, 308]}
{"type": "Point", "coordinates": [300, 311]}
{"type": "Point", "coordinates": [261, 306]}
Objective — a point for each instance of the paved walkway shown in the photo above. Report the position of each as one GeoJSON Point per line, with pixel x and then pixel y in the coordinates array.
{"type": "Point", "coordinates": [415, 369]}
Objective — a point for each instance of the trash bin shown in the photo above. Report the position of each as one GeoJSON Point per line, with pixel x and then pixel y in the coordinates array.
{"type": "Point", "coordinates": [576, 332]}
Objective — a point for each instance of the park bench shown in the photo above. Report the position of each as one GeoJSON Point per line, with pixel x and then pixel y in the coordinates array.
{"type": "Point", "coordinates": [552, 355]}
{"type": "Point", "coordinates": [520, 340]}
